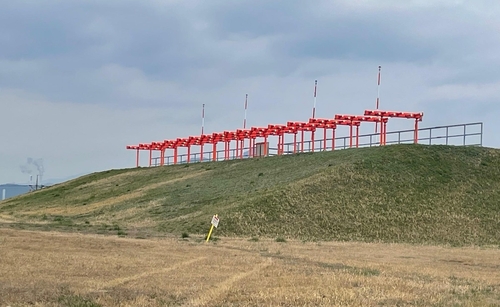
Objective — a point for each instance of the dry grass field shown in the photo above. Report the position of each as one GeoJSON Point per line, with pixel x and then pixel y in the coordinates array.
{"type": "Point", "coordinates": [415, 194]}
{"type": "Point", "coordinates": [64, 269]}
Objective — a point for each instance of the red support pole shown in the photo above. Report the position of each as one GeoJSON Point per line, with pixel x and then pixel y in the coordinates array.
{"type": "Point", "coordinates": [384, 136]}
{"type": "Point", "coordinates": [312, 141]}
{"type": "Point", "coordinates": [385, 133]}
{"type": "Point", "coordinates": [265, 146]}
{"type": "Point", "coordinates": [189, 154]}
{"type": "Point", "coordinates": [333, 139]}
{"type": "Point", "coordinates": [302, 141]}
{"type": "Point", "coordinates": [279, 144]}
{"type": "Point", "coordinates": [324, 139]}
{"type": "Point", "coordinates": [175, 155]}
{"type": "Point", "coordinates": [381, 129]}
{"type": "Point", "coordinates": [282, 143]}
{"type": "Point", "coordinates": [282, 147]}
{"type": "Point", "coordinates": [381, 133]}
{"type": "Point", "coordinates": [415, 136]}
{"type": "Point", "coordinates": [162, 157]}
{"type": "Point", "coordinates": [357, 136]}
{"type": "Point", "coordinates": [350, 136]}
{"type": "Point", "coordinates": [150, 157]}
{"type": "Point", "coordinates": [214, 152]}
{"type": "Point", "coordinates": [201, 152]}
{"type": "Point", "coordinates": [137, 158]}
{"type": "Point", "coordinates": [295, 142]}
{"type": "Point", "coordinates": [237, 148]}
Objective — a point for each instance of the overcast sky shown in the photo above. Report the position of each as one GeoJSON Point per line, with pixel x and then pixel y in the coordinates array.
{"type": "Point", "coordinates": [80, 80]}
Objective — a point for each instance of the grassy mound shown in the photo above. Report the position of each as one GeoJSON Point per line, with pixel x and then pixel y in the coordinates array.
{"type": "Point", "coordinates": [398, 193]}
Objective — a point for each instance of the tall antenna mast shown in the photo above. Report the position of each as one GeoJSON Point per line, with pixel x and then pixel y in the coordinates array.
{"type": "Point", "coordinates": [203, 119]}
{"type": "Point", "coordinates": [245, 118]}
{"type": "Point", "coordinates": [314, 105]}
{"type": "Point", "coordinates": [378, 94]}
{"type": "Point", "coordinates": [378, 86]}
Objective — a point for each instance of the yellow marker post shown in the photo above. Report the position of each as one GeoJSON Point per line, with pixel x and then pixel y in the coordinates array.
{"type": "Point", "coordinates": [215, 223]}
{"type": "Point", "coordinates": [210, 232]}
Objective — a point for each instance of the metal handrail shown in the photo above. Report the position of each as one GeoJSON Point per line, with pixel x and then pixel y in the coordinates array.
{"type": "Point", "coordinates": [195, 157]}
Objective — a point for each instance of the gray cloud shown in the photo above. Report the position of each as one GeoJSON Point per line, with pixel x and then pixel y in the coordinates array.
{"type": "Point", "coordinates": [64, 45]}
{"type": "Point", "coordinates": [68, 42]}
{"type": "Point", "coordinates": [140, 71]}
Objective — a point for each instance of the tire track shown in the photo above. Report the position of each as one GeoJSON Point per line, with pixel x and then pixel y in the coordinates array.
{"type": "Point", "coordinates": [215, 293]}
{"type": "Point", "coordinates": [124, 280]}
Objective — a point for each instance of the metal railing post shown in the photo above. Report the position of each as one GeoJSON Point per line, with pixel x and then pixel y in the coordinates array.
{"type": "Point", "coordinates": [447, 135]}
{"type": "Point", "coordinates": [465, 132]}
{"type": "Point", "coordinates": [481, 140]}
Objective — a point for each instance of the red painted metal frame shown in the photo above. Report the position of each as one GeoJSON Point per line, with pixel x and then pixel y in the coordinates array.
{"type": "Point", "coordinates": [325, 124]}
{"type": "Point", "coordinates": [366, 118]}
{"type": "Point", "coordinates": [333, 123]}
{"type": "Point", "coordinates": [240, 135]}
{"type": "Point", "coordinates": [278, 130]}
{"type": "Point", "coordinates": [302, 127]}
{"type": "Point", "coordinates": [397, 114]}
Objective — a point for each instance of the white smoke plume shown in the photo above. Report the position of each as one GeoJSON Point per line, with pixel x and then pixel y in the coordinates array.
{"type": "Point", "coordinates": [33, 166]}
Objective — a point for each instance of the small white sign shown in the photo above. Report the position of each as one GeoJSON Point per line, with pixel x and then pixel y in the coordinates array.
{"type": "Point", "coordinates": [215, 221]}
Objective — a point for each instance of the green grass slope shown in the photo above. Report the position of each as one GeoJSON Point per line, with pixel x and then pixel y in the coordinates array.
{"type": "Point", "coordinates": [398, 193]}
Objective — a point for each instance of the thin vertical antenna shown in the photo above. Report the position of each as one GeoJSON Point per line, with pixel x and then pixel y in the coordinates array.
{"type": "Point", "coordinates": [378, 86]}
{"type": "Point", "coordinates": [314, 106]}
{"type": "Point", "coordinates": [378, 94]}
{"type": "Point", "coordinates": [244, 127]}
{"type": "Point", "coordinates": [246, 106]}
{"type": "Point", "coordinates": [203, 119]}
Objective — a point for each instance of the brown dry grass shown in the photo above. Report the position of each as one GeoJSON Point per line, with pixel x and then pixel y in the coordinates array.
{"type": "Point", "coordinates": [56, 269]}
{"type": "Point", "coordinates": [69, 209]}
